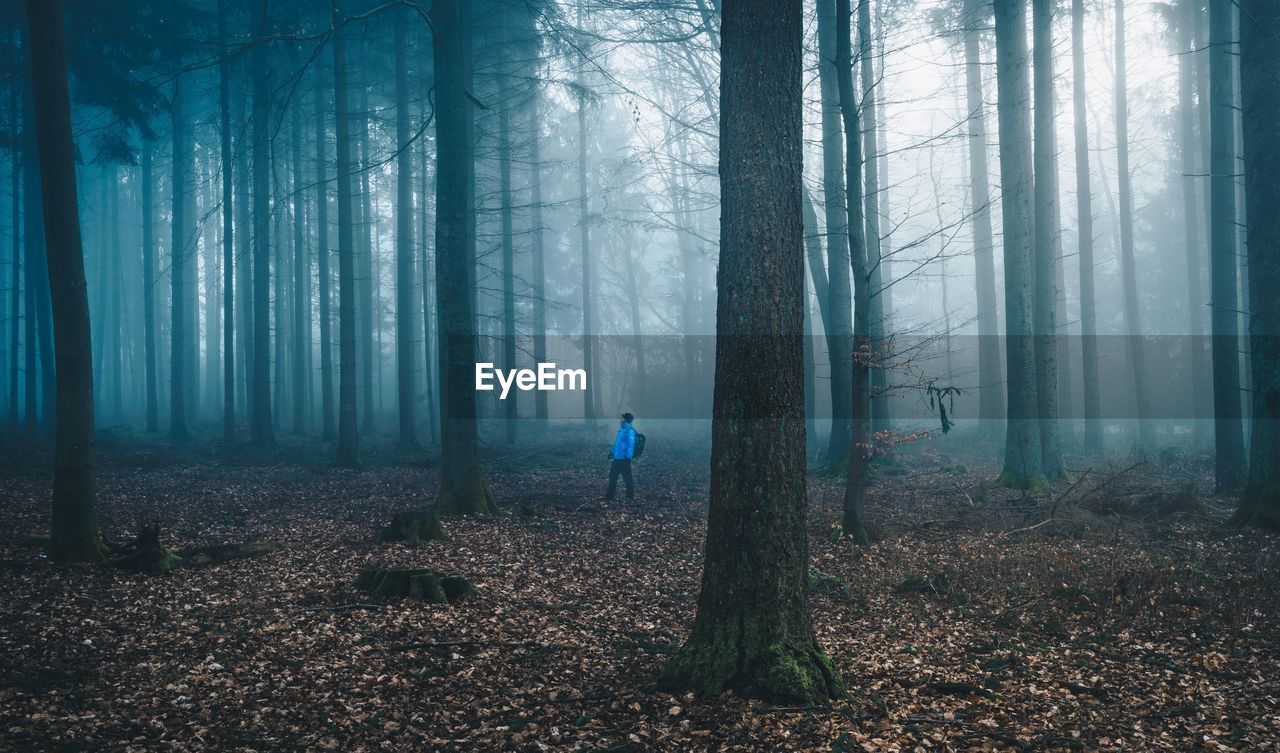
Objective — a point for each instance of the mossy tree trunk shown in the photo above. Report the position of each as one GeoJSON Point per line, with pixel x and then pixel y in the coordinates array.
{"type": "Point", "coordinates": [752, 631]}
{"type": "Point", "coordinates": [74, 529]}
{"type": "Point", "coordinates": [463, 489]}
{"type": "Point", "coordinates": [348, 451]}
{"type": "Point", "coordinates": [1260, 99]}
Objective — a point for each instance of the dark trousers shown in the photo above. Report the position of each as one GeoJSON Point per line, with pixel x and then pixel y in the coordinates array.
{"type": "Point", "coordinates": [620, 467]}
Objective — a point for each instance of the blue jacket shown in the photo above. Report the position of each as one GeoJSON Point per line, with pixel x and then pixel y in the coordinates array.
{"type": "Point", "coordinates": [624, 447]}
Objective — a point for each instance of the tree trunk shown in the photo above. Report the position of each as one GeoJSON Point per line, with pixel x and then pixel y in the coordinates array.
{"type": "Point", "coordinates": [1084, 212]}
{"type": "Point", "coordinates": [880, 415]}
{"type": "Point", "coordinates": [323, 275]}
{"type": "Point", "coordinates": [262, 431]}
{"type": "Point", "coordinates": [179, 194]}
{"type": "Point", "coordinates": [406, 393]}
{"type": "Point", "coordinates": [348, 439]}
{"type": "Point", "coordinates": [837, 312]}
{"type": "Point", "coordinates": [74, 527]}
{"type": "Point", "coordinates": [148, 292]}
{"type": "Point", "coordinates": [584, 242]}
{"type": "Point", "coordinates": [991, 408]}
{"type": "Point", "coordinates": [1046, 226]}
{"type": "Point", "coordinates": [228, 238]}
{"type": "Point", "coordinates": [1022, 458]}
{"type": "Point", "coordinates": [539, 282]}
{"type": "Point", "coordinates": [752, 631]}
{"type": "Point", "coordinates": [15, 277]}
{"type": "Point", "coordinates": [853, 524]}
{"type": "Point", "coordinates": [427, 334]}
{"type": "Point", "coordinates": [1128, 266]}
{"type": "Point", "coordinates": [1229, 466]}
{"type": "Point", "coordinates": [369, 361]}
{"type": "Point", "coordinates": [1260, 103]}
{"type": "Point", "coordinates": [463, 488]}
{"type": "Point", "coordinates": [511, 407]}
{"type": "Point", "coordinates": [300, 359]}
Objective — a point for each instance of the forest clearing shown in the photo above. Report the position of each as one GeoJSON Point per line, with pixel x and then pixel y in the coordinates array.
{"type": "Point", "coordinates": [1133, 620]}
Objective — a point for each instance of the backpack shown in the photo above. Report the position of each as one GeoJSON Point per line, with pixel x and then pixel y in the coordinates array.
{"type": "Point", "coordinates": [638, 450]}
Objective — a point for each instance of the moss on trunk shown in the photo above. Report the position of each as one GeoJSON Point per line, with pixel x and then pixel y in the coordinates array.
{"type": "Point", "coordinates": [145, 554]}
{"type": "Point", "coordinates": [738, 656]}
{"type": "Point", "coordinates": [470, 496]}
{"type": "Point", "coordinates": [1011, 479]}
{"type": "Point", "coordinates": [413, 528]}
{"type": "Point", "coordinates": [419, 584]}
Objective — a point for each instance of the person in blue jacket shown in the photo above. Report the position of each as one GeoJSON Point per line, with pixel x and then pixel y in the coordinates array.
{"type": "Point", "coordinates": [624, 449]}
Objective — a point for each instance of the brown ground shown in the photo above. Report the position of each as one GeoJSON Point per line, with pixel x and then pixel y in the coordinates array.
{"type": "Point", "coordinates": [1134, 620]}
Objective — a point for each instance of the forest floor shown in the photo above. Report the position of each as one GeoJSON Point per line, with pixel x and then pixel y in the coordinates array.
{"type": "Point", "coordinates": [1117, 612]}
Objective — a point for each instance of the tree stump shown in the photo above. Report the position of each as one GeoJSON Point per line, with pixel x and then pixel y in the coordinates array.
{"type": "Point", "coordinates": [413, 528]}
{"type": "Point", "coordinates": [145, 554]}
{"type": "Point", "coordinates": [419, 584]}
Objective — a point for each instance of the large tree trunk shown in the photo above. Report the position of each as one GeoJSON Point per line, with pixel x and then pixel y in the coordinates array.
{"type": "Point", "coordinates": [323, 276]}
{"type": "Point", "coordinates": [406, 394]}
{"type": "Point", "coordinates": [1230, 468]}
{"type": "Point", "coordinates": [1260, 103]}
{"type": "Point", "coordinates": [463, 488]}
{"type": "Point", "coordinates": [369, 360]}
{"type": "Point", "coordinates": [837, 310]}
{"type": "Point", "coordinates": [429, 365]}
{"type": "Point", "coordinates": [1022, 457]}
{"type": "Point", "coordinates": [1046, 228]}
{"type": "Point", "coordinates": [228, 238]}
{"type": "Point", "coordinates": [855, 493]}
{"type": "Point", "coordinates": [348, 438]}
{"type": "Point", "coordinates": [261, 428]}
{"type": "Point", "coordinates": [1084, 233]}
{"type": "Point", "coordinates": [15, 269]}
{"type": "Point", "coordinates": [991, 407]}
{"type": "Point", "coordinates": [752, 632]}
{"type": "Point", "coordinates": [179, 370]}
{"type": "Point", "coordinates": [74, 527]}
{"type": "Point", "coordinates": [1128, 266]}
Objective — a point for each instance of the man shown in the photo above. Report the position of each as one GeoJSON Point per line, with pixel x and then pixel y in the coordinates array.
{"type": "Point", "coordinates": [624, 449]}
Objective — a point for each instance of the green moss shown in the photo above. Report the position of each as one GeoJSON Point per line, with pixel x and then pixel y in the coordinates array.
{"type": "Point", "coordinates": [781, 671]}
{"type": "Point", "coordinates": [419, 584]}
{"type": "Point", "coordinates": [413, 528]}
{"type": "Point", "coordinates": [1011, 479]}
{"type": "Point", "coordinates": [470, 497]}
{"type": "Point", "coordinates": [1259, 507]}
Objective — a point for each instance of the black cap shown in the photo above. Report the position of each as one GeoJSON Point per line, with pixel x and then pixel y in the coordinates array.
{"type": "Point", "coordinates": [628, 417]}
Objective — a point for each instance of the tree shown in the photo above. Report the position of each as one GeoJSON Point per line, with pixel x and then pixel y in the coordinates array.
{"type": "Point", "coordinates": [752, 631]}
{"type": "Point", "coordinates": [877, 282]}
{"type": "Point", "coordinates": [1260, 111]}
{"type": "Point", "coordinates": [262, 431]}
{"type": "Point", "coordinates": [1084, 237]}
{"type": "Point", "coordinates": [1128, 265]}
{"type": "Point", "coordinates": [1189, 152]}
{"type": "Point", "coordinates": [860, 439]}
{"type": "Point", "coordinates": [1230, 471]}
{"type": "Point", "coordinates": [1022, 466]}
{"type": "Point", "coordinates": [406, 395]}
{"type": "Point", "coordinates": [584, 239]}
{"type": "Point", "coordinates": [348, 439]}
{"type": "Point", "coordinates": [837, 307]}
{"type": "Point", "coordinates": [179, 369]}
{"type": "Point", "coordinates": [74, 527]}
{"type": "Point", "coordinates": [149, 294]}
{"type": "Point", "coordinates": [228, 238]}
{"type": "Point", "coordinates": [463, 489]}
{"type": "Point", "coordinates": [1046, 228]}
{"type": "Point", "coordinates": [323, 275]}
{"type": "Point", "coordinates": [990, 393]}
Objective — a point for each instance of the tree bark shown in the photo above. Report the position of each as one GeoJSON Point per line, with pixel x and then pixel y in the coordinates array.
{"type": "Point", "coordinates": [406, 393]}
{"type": "Point", "coordinates": [1047, 241]}
{"type": "Point", "coordinates": [752, 631]}
{"type": "Point", "coordinates": [878, 375]}
{"type": "Point", "coordinates": [511, 406]}
{"type": "Point", "coordinates": [348, 438]}
{"type": "Point", "coordinates": [463, 489]}
{"type": "Point", "coordinates": [1084, 214]}
{"type": "Point", "coordinates": [323, 275]}
{"type": "Point", "coordinates": [262, 430]}
{"type": "Point", "coordinates": [228, 238]}
{"type": "Point", "coordinates": [1022, 458]}
{"type": "Point", "coordinates": [837, 310]}
{"type": "Point", "coordinates": [1128, 265]}
{"type": "Point", "coordinates": [991, 407]}
{"type": "Point", "coordinates": [178, 350]}
{"type": "Point", "coordinates": [1230, 471]}
{"type": "Point", "coordinates": [74, 526]}
{"type": "Point", "coordinates": [1260, 111]}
